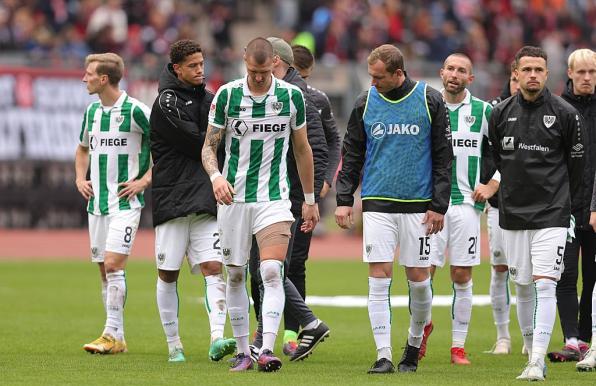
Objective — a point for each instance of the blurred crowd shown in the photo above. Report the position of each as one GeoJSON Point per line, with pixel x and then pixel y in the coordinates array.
{"type": "Point", "coordinates": [63, 32]}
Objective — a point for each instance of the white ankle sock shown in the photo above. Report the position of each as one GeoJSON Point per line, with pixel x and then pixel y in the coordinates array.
{"type": "Point", "coordinates": [237, 301]}
{"type": "Point", "coordinates": [274, 298]}
{"type": "Point", "coordinates": [379, 313]}
{"type": "Point", "coordinates": [499, 299]}
{"type": "Point", "coordinates": [167, 304]}
{"type": "Point", "coordinates": [314, 324]}
{"type": "Point", "coordinates": [573, 342]}
{"type": "Point", "coordinates": [421, 299]}
{"type": "Point", "coordinates": [215, 303]}
{"type": "Point", "coordinates": [544, 316]}
{"type": "Point", "coordinates": [526, 302]}
{"type": "Point", "coordinates": [116, 294]}
{"type": "Point", "coordinates": [461, 313]}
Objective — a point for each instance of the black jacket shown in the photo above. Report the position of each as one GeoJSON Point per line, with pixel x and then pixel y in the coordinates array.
{"type": "Point", "coordinates": [506, 93]}
{"type": "Point", "coordinates": [354, 151]}
{"type": "Point", "coordinates": [538, 148]}
{"type": "Point", "coordinates": [179, 119]}
{"type": "Point", "coordinates": [587, 108]}
{"type": "Point", "coordinates": [318, 144]}
{"type": "Point", "coordinates": [321, 102]}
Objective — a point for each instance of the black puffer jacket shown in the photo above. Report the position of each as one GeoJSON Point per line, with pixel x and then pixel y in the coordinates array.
{"type": "Point", "coordinates": [586, 105]}
{"type": "Point", "coordinates": [179, 119]}
{"type": "Point", "coordinates": [318, 144]}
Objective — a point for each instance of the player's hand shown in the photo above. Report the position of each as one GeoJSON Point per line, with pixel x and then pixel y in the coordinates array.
{"type": "Point", "coordinates": [434, 222]}
{"type": "Point", "coordinates": [131, 188]}
{"type": "Point", "coordinates": [223, 191]}
{"type": "Point", "coordinates": [84, 187]}
{"type": "Point", "coordinates": [325, 189]}
{"type": "Point", "coordinates": [344, 217]}
{"type": "Point", "coordinates": [593, 220]}
{"type": "Point", "coordinates": [484, 192]}
{"type": "Point", "coordinates": [310, 217]}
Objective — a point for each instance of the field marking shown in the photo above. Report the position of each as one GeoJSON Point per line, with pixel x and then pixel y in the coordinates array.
{"type": "Point", "coordinates": [396, 301]}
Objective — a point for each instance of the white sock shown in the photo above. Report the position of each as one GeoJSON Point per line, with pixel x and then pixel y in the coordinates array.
{"type": "Point", "coordinates": [215, 303]}
{"type": "Point", "coordinates": [379, 312]}
{"type": "Point", "coordinates": [499, 299]}
{"type": "Point", "coordinates": [237, 301]}
{"type": "Point", "coordinates": [544, 317]}
{"type": "Point", "coordinates": [104, 294]}
{"type": "Point", "coordinates": [274, 298]}
{"type": "Point", "coordinates": [167, 304]}
{"type": "Point", "coordinates": [573, 342]}
{"type": "Point", "coordinates": [526, 302]}
{"type": "Point", "coordinates": [314, 324]}
{"type": "Point", "coordinates": [461, 313]}
{"type": "Point", "coordinates": [421, 298]}
{"type": "Point", "coordinates": [116, 293]}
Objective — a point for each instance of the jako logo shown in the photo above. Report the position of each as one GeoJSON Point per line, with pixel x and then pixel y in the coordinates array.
{"type": "Point", "coordinates": [379, 129]}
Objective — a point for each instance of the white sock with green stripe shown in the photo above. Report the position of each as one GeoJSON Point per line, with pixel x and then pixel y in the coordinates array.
{"type": "Point", "coordinates": [237, 301]}
{"type": "Point", "coordinates": [215, 303]}
{"type": "Point", "coordinates": [461, 313]}
{"type": "Point", "coordinates": [421, 299]}
{"type": "Point", "coordinates": [379, 312]}
{"type": "Point", "coordinates": [526, 302]}
{"type": "Point", "coordinates": [116, 293]}
{"type": "Point", "coordinates": [499, 299]}
{"type": "Point", "coordinates": [274, 298]}
{"type": "Point", "coordinates": [104, 294]}
{"type": "Point", "coordinates": [544, 317]}
{"type": "Point", "coordinates": [167, 304]}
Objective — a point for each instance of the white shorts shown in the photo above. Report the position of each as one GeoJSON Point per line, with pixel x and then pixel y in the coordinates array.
{"type": "Point", "coordinates": [384, 232]}
{"type": "Point", "coordinates": [460, 236]}
{"type": "Point", "coordinates": [113, 233]}
{"type": "Point", "coordinates": [238, 222]}
{"type": "Point", "coordinates": [194, 236]}
{"type": "Point", "coordinates": [535, 252]}
{"type": "Point", "coordinates": [496, 244]}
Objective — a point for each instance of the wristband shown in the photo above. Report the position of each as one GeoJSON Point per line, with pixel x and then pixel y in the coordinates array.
{"type": "Point", "coordinates": [309, 198]}
{"type": "Point", "coordinates": [214, 176]}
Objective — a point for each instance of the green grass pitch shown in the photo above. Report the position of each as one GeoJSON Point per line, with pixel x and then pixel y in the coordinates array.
{"type": "Point", "coordinates": [50, 309]}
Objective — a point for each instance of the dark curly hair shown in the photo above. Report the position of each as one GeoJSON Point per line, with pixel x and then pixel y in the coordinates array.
{"type": "Point", "coordinates": [183, 48]}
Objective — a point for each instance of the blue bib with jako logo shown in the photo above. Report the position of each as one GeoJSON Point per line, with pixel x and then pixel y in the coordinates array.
{"type": "Point", "coordinates": [398, 162]}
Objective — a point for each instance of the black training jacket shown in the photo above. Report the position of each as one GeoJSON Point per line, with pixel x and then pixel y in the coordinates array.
{"type": "Point", "coordinates": [178, 125]}
{"type": "Point", "coordinates": [321, 102]}
{"type": "Point", "coordinates": [354, 150]}
{"type": "Point", "coordinates": [318, 144]}
{"type": "Point", "coordinates": [538, 148]}
{"type": "Point", "coordinates": [586, 105]}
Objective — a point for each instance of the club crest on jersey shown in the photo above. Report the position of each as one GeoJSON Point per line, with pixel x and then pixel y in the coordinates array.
{"type": "Point", "coordinates": [277, 107]}
{"type": "Point", "coordinates": [508, 143]}
{"type": "Point", "coordinates": [469, 120]}
{"type": "Point", "coordinates": [549, 120]}
{"type": "Point", "coordinates": [120, 119]}
{"type": "Point", "coordinates": [239, 127]}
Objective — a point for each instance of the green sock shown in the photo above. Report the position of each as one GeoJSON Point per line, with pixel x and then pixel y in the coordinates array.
{"type": "Point", "coordinates": [290, 335]}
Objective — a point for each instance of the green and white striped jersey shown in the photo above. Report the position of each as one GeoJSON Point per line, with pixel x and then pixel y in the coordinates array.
{"type": "Point", "coordinates": [119, 151]}
{"type": "Point", "coordinates": [469, 126]}
{"type": "Point", "coordinates": [257, 131]}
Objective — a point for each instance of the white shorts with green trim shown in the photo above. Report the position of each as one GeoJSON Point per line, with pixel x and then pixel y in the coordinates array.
{"type": "Point", "coordinates": [460, 237]}
{"type": "Point", "coordinates": [113, 233]}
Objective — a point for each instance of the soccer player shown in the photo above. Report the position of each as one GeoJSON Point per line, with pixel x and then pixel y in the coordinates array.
{"type": "Point", "coordinates": [398, 138]}
{"type": "Point", "coordinates": [499, 292]}
{"type": "Point", "coordinates": [114, 147]}
{"type": "Point", "coordinates": [536, 138]}
{"type": "Point", "coordinates": [580, 94]}
{"type": "Point", "coordinates": [468, 116]}
{"type": "Point", "coordinates": [257, 114]}
{"type": "Point", "coordinates": [314, 330]}
{"type": "Point", "coordinates": [184, 208]}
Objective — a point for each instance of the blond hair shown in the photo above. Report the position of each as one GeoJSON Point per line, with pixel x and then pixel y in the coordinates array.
{"type": "Point", "coordinates": [583, 54]}
{"type": "Point", "coordinates": [109, 64]}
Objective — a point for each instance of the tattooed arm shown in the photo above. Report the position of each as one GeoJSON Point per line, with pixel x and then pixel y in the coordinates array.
{"type": "Point", "coordinates": [222, 189]}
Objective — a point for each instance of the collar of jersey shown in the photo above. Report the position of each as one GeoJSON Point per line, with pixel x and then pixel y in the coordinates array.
{"type": "Point", "coordinates": [467, 100]}
{"type": "Point", "coordinates": [271, 90]}
{"type": "Point", "coordinates": [118, 103]}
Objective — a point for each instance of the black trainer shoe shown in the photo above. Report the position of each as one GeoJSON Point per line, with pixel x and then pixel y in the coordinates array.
{"type": "Point", "coordinates": [409, 361]}
{"type": "Point", "coordinates": [382, 366]}
{"type": "Point", "coordinates": [309, 339]}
